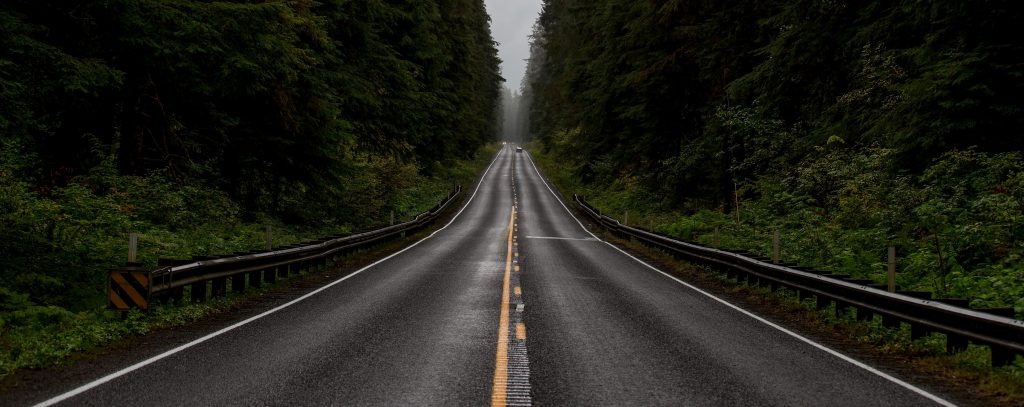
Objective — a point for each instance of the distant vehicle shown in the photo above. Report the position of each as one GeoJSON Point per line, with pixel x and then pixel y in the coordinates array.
{"type": "Point", "coordinates": [519, 149]}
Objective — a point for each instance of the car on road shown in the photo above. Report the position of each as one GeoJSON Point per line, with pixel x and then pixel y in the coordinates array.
{"type": "Point", "coordinates": [519, 149]}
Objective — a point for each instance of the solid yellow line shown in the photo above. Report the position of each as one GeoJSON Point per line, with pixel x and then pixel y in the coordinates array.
{"type": "Point", "coordinates": [500, 388]}
{"type": "Point", "coordinates": [521, 331]}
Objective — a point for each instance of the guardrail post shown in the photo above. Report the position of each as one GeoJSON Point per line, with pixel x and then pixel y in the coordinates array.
{"type": "Point", "coordinates": [955, 343]}
{"type": "Point", "coordinates": [1002, 356]}
{"type": "Point", "coordinates": [841, 308]}
{"type": "Point", "coordinates": [821, 302]}
{"type": "Point", "coordinates": [238, 283]}
{"type": "Point", "coordinates": [889, 321]}
{"type": "Point", "coordinates": [198, 292]}
{"type": "Point", "coordinates": [219, 287]}
{"type": "Point", "coordinates": [255, 278]}
{"type": "Point", "coordinates": [200, 289]}
{"type": "Point", "coordinates": [864, 314]}
{"type": "Point", "coordinates": [270, 274]}
{"type": "Point", "coordinates": [714, 241]}
{"type": "Point", "coordinates": [270, 238]}
{"type": "Point", "coordinates": [918, 331]}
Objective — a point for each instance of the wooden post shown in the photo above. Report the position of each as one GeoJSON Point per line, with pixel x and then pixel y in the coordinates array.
{"type": "Point", "coordinates": [775, 247]}
{"type": "Point", "coordinates": [736, 196]}
{"type": "Point", "coordinates": [625, 220]}
{"type": "Point", "coordinates": [199, 291]}
{"type": "Point", "coordinates": [133, 247]}
{"type": "Point", "coordinates": [238, 283]}
{"type": "Point", "coordinates": [392, 218]}
{"type": "Point", "coordinates": [270, 238]}
{"type": "Point", "coordinates": [892, 269]}
{"type": "Point", "coordinates": [714, 241]}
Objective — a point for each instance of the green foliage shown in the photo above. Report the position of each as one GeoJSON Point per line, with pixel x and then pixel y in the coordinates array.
{"type": "Point", "coordinates": [840, 211]}
{"type": "Point", "coordinates": [694, 97]}
{"type": "Point", "coordinates": [847, 126]}
{"type": "Point", "coordinates": [52, 289]}
{"type": "Point", "coordinates": [270, 102]}
{"type": "Point", "coordinates": [41, 336]}
{"type": "Point", "coordinates": [195, 124]}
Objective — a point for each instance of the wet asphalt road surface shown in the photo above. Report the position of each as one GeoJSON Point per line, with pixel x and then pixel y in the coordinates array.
{"type": "Point", "coordinates": [587, 325]}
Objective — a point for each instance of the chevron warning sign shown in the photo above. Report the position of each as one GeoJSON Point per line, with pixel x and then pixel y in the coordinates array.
{"type": "Point", "coordinates": [129, 289]}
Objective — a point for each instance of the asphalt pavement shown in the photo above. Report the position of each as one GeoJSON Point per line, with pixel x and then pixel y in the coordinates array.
{"type": "Point", "coordinates": [519, 306]}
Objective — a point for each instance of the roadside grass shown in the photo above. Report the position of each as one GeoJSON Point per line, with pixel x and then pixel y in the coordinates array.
{"type": "Point", "coordinates": [41, 336]}
{"type": "Point", "coordinates": [970, 370]}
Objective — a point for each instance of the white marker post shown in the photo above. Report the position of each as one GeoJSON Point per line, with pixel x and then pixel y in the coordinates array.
{"type": "Point", "coordinates": [133, 247]}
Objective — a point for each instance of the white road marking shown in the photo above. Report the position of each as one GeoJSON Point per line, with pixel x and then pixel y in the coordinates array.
{"type": "Point", "coordinates": [144, 363]}
{"type": "Point", "coordinates": [908, 386]}
{"type": "Point", "coordinates": [581, 239]}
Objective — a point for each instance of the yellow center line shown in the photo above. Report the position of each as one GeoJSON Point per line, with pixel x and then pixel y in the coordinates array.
{"type": "Point", "coordinates": [518, 291]}
{"type": "Point", "coordinates": [521, 331]}
{"type": "Point", "coordinates": [501, 356]}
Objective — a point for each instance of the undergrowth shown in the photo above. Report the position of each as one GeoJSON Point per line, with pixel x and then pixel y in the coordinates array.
{"type": "Point", "coordinates": [57, 249]}
{"type": "Point", "coordinates": [819, 241]}
{"type": "Point", "coordinates": [958, 229]}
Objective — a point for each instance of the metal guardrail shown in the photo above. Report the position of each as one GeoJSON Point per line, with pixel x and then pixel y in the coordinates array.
{"type": "Point", "coordinates": [136, 287]}
{"type": "Point", "coordinates": [1005, 336]}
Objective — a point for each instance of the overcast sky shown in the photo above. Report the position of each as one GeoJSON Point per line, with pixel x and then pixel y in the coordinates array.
{"type": "Point", "coordinates": [511, 25]}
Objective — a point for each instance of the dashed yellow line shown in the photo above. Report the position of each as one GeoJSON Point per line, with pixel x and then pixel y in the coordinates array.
{"type": "Point", "coordinates": [500, 388]}
{"type": "Point", "coordinates": [518, 291]}
{"type": "Point", "coordinates": [521, 331]}
{"type": "Point", "coordinates": [517, 269]}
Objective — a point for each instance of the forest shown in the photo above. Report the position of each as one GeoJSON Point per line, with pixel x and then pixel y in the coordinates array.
{"type": "Point", "coordinates": [847, 126]}
{"type": "Point", "coordinates": [195, 123]}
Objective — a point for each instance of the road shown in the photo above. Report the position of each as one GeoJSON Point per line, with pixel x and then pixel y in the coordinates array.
{"type": "Point", "coordinates": [512, 302]}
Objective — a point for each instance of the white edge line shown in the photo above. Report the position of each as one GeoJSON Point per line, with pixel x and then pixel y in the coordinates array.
{"type": "Point", "coordinates": [824, 348]}
{"type": "Point", "coordinates": [96, 383]}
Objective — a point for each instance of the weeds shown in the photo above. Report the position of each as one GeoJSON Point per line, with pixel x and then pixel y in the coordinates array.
{"type": "Point", "coordinates": [52, 290]}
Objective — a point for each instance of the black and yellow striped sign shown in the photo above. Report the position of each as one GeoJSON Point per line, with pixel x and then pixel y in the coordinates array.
{"type": "Point", "coordinates": [129, 289]}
